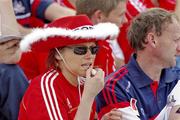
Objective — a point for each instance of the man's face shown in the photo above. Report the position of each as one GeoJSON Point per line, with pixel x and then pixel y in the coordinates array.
{"type": "Point", "coordinates": [168, 44]}
{"type": "Point", "coordinates": [117, 15]}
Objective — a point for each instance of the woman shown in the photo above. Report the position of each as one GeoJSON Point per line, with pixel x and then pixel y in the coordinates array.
{"type": "Point", "coordinates": [68, 89]}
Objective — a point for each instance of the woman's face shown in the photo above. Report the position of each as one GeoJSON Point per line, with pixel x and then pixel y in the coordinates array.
{"type": "Point", "coordinates": [78, 58]}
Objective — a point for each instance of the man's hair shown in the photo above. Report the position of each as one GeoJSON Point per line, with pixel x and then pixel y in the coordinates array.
{"type": "Point", "coordinates": [152, 20]}
{"type": "Point", "coordinates": [88, 7]}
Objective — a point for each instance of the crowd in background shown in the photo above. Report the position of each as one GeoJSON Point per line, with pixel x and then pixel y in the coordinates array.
{"type": "Point", "coordinates": [22, 72]}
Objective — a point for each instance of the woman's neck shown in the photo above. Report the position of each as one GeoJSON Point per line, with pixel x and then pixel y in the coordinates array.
{"type": "Point", "coordinates": [71, 78]}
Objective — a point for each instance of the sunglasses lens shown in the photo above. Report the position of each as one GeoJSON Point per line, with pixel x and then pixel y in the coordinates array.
{"type": "Point", "coordinates": [83, 50]}
{"type": "Point", "coordinates": [80, 50]}
{"type": "Point", "coordinates": [94, 50]}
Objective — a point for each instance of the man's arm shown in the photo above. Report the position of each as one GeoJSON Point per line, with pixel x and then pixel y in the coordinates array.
{"type": "Point", "coordinates": [114, 97]}
{"type": "Point", "coordinates": [55, 11]}
{"type": "Point", "coordinates": [8, 19]}
{"type": "Point", "coordinates": [51, 13]}
{"type": "Point", "coordinates": [9, 48]}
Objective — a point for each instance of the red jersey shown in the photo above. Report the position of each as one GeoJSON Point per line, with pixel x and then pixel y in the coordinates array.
{"type": "Point", "coordinates": [50, 96]}
{"type": "Point", "coordinates": [104, 58]}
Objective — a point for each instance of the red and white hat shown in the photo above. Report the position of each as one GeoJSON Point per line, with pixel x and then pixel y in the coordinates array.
{"type": "Point", "coordinates": [67, 31]}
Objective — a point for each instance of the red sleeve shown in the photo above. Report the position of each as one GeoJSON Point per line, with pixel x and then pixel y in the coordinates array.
{"type": "Point", "coordinates": [38, 7]}
{"type": "Point", "coordinates": [35, 6]}
{"type": "Point", "coordinates": [68, 4]}
{"type": "Point", "coordinates": [34, 107]}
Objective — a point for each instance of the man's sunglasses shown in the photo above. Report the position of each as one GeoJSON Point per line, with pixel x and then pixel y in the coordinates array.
{"type": "Point", "coordinates": [82, 50]}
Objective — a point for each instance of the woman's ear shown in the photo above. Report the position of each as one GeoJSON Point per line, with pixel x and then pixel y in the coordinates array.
{"type": "Point", "coordinates": [58, 55]}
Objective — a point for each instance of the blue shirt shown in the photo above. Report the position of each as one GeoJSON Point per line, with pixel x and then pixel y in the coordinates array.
{"type": "Point", "coordinates": [13, 84]}
{"type": "Point", "coordinates": [130, 86]}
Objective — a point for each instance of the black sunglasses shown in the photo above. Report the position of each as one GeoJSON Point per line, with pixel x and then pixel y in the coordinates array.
{"type": "Point", "coordinates": [82, 50]}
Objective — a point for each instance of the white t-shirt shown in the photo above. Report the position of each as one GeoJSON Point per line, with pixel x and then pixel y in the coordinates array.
{"type": "Point", "coordinates": [173, 100]}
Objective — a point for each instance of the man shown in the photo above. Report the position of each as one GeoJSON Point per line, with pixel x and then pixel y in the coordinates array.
{"type": "Point", "coordinates": [100, 11]}
{"type": "Point", "coordinates": [133, 8]}
{"type": "Point", "coordinates": [13, 83]}
{"type": "Point", "coordinates": [140, 89]}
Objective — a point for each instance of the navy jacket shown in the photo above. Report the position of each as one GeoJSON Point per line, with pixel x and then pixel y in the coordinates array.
{"type": "Point", "coordinates": [131, 87]}
{"type": "Point", "coordinates": [13, 84]}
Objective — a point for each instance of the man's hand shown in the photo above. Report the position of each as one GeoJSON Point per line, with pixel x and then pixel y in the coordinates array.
{"type": "Point", "coordinates": [9, 52]}
{"type": "Point", "coordinates": [114, 114]}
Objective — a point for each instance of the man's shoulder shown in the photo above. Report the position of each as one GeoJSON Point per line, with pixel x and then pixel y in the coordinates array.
{"type": "Point", "coordinates": [9, 68]}
{"type": "Point", "coordinates": [117, 75]}
{"type": "Point", "coordinates": [119, 79]}
{"type": "Point", "coordinates": [175, 71]}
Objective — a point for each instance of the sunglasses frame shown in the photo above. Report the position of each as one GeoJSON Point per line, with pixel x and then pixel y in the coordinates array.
{"type": "Point", "coordinates": [82, 50]}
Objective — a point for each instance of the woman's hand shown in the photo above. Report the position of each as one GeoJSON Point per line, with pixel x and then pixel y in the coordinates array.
{"type": "Point", "coordinates": [94, 82]}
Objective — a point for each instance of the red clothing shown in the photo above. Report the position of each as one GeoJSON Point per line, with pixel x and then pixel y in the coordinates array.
{"type": "Point", "coordinates": [30, 13]}
{"type": "Point", "coordinates": [134, 7]}
{"type": "Point", "coordinates": [33, 63]}
{"type": "Point", "coordinates": [104, 58]}
{"type": "Point", "coordinates": [65, 3]}
{"type": "Point", "coordinates": [50, 96]}
{"type": "Point", "coordinates": [167, 4]}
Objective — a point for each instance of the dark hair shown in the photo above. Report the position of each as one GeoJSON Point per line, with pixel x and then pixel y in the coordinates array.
{"type": "Point", "coordinates": [88, 7]}
{"type": "Point", "coordinates": [153, 19]}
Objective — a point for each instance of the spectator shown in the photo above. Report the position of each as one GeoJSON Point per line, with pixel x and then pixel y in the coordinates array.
{"type": "Point", "coordinates": [36, 14]}
{"type": "Point", "coordinates": [140, 89]}
{"type": "Point", "coordinates": [13, 83]}
{"type": "Point", "coordinates": [110, 55]}
{"type": "Point", "coordinates": [57, 93]}
{"type": "Point", "coordinates": [133, 8]}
